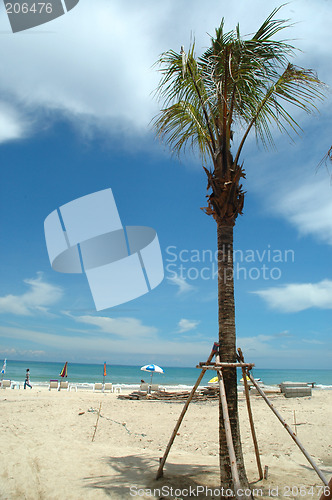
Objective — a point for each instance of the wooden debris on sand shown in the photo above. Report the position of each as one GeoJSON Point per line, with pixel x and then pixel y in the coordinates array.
{"type": "Point", "coordinates": [204, 394]}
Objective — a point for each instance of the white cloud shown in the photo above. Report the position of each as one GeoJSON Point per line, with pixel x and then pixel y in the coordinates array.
{"type": "Point", "coordinates": [284, 333]}
{"type": "Point", "coordinates": [12, 124]}
{"type": "Point", "coordinates": [107, 76]}
{"type": "Point", "coordinates": [267, 352]}
{"type": "Point", "coordinates": [298, 296]}
{"type": "Point", "coordinates": [36, 300]}
{"type": "Point", "coordinates": [184, 286]}
{"type": "Point", "coordinates": [121, 327]}
{"type": "Point", "coordinates": [12, 352]}
{"type": "Point", "coordinates": [258, 344]}
{"type": "Point", "coordinates": [308, 207]}
{"type": "Point", "coordinates": [313, 341]}
{"type": "Point", "coordinates": [185, 325]}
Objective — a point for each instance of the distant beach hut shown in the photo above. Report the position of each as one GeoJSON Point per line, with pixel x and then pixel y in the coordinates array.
{"type": "Point", "coordinates": [152, 369]}
{"type": "Point", "coordinates": [63, 372]}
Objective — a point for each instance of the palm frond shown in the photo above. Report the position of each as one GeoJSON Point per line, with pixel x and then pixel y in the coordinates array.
{"type": "Point", "coordinates": [295, 86]}
{"type": "Point", "coordinates": [181, 125]}
{"type": "Point", "coordinates": [249, 81]}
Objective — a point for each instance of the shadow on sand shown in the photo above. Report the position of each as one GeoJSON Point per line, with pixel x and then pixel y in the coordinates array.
{"type": "Point", "coordinates": [132, 474]}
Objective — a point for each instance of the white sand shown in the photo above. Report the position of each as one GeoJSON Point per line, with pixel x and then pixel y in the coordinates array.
{"type": "Point", "coordinates": [46, 450]}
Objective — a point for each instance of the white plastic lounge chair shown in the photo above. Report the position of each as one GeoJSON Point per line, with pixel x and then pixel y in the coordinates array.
{"type": "Point", "coordinates": [63, 385]}
{"type": "Point", "coordinates": [144, 387]}
{"type": "Point", "coordinates": [53, 384]}
{"type": "Point", "coordinates": [154, 387]}
{"type": "Point", "coordinates": [98, 387]}
{"type": "Point", "coordinates": [5, 384]}
{"type": "Point", "coordinates": [108, 387]}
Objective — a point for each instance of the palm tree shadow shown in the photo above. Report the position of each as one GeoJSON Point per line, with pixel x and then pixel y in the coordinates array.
{"type": "Point", "coordinates": [132, 473]}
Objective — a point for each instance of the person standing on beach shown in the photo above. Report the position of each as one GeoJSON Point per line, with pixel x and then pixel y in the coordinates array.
{"type": "Point", "coordinates": [27, 379]}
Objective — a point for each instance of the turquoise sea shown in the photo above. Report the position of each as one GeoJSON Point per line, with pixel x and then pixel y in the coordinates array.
{"type": "Point", "coordinates": [130, 376]}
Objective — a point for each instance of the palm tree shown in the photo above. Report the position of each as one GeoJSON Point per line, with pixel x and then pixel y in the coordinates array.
{"type": "Point", "coordinates": [236, 86]}
{"type": "Point", "coordinates": [327, 158]}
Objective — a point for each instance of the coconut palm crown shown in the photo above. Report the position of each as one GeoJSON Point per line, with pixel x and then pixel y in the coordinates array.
{"type": "Point", "coordinates": [236, 86]}
{"type": "Point", "coordinates": [249, 83]}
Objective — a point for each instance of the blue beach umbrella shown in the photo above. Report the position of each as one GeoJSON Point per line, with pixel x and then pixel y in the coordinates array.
{"type": "Point", "coordinates": [152, 369]}
{"type": "Point", "coordinates": [3, 371]}
{"type": "Point", "coordinates": [4, 366]}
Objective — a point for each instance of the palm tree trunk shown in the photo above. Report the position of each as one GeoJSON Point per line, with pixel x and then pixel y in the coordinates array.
{"type": "Point", "coordinates": [227, 350]}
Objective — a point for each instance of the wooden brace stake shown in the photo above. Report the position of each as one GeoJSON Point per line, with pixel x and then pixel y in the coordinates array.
{"type": "Point", "coordinates": [228, 431]}
{"type": "Point", "coordinates": [288, 429]}
{"type": "Point", "coordinates": [177, 426]}
{"type": "Point", "coordinates": [327, 493]}
{"type": "Point", "coordinates": [252, 426]}
{"type": "Point", "coordinates": [96, 423]}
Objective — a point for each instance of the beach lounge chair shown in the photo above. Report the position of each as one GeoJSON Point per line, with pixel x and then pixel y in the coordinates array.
{"type": "Point", "coordinates": [98, 387]}
{"type": "Point", "coordinates": [63, 385]}
{"type": "Point", "coordinates": [144, 387]}
{"type": "Point", "coordinates": [108, 387]}
{"type": "Point", "coordinates": [297, 392]}
{"type": "Point", "coordinates": [5, 384]}
{"type": "Point", "coordinates": [53, 384]}
{"type": "Point", "coordinates": [154, 387]}
{"type": "Point", "coordinates": [295, 389]}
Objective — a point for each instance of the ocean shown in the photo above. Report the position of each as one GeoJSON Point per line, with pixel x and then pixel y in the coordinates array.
{"type": "Point", "coordinates": [130, 376]}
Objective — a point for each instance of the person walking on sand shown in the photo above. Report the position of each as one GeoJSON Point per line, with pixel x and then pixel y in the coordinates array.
{"type": "Point", "coordinates": [27, 379]}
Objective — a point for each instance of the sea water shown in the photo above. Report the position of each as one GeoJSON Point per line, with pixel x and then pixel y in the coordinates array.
{"type": "Point", "coordinates": [130, 376]}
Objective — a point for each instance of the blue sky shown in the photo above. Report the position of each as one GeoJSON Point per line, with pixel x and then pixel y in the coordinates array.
{"type": "Point", "coordinates": [75, 106]}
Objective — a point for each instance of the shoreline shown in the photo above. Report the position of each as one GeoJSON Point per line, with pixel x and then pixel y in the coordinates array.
{"type": "Point", "coordinates": [134, 387]}
{"type": "Point", "coordinates": [81, 373]}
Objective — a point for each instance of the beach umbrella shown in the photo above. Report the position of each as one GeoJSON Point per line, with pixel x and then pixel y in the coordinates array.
{"type": "Point", "coordinates": [63, 372]}
{"type": "Point", "coordinates": [104, 372]}
{"type": "Point", "coordinates": [3, 371]}
{"type": "Point", "coordinates": [152, 369]}
{"type": "Point", "coordinates": [4, 367]}
{"type": "Point", "coordinates": [213, 380]}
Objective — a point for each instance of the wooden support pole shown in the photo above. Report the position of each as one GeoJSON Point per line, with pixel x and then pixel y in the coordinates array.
{"type": "Point", "coordinates": [177, 426]}
{"type": "Point", "coordinates": [251, 420]}
{"type": "Point", "coordinates": [288, 429]}
{"type": "Point", "coordinates": [216, 366]}
{"type": "Point", "coordinates": [96, 423]}
{"type": "Point", "coordinates": [327, 493]}
{"type": "Point", "coordinates": [295, 424]}
{"type": "Point", "coordinates": [252, 426]}
{"type": "Point", "coordinates": [228, 431]}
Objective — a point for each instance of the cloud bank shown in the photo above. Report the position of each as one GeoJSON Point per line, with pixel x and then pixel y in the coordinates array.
{"type": "Point", "coordinates": [94, 65]}
{"type": "Point", "coordinates": [36, 300]}
{"type": "Point", "coordinates": [298, 297]}
{"type": "Point", "coordinates": [308, 207]}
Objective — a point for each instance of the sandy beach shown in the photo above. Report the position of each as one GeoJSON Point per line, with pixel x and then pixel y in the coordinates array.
{"type": "Point", "coordinates": [47, 450]}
